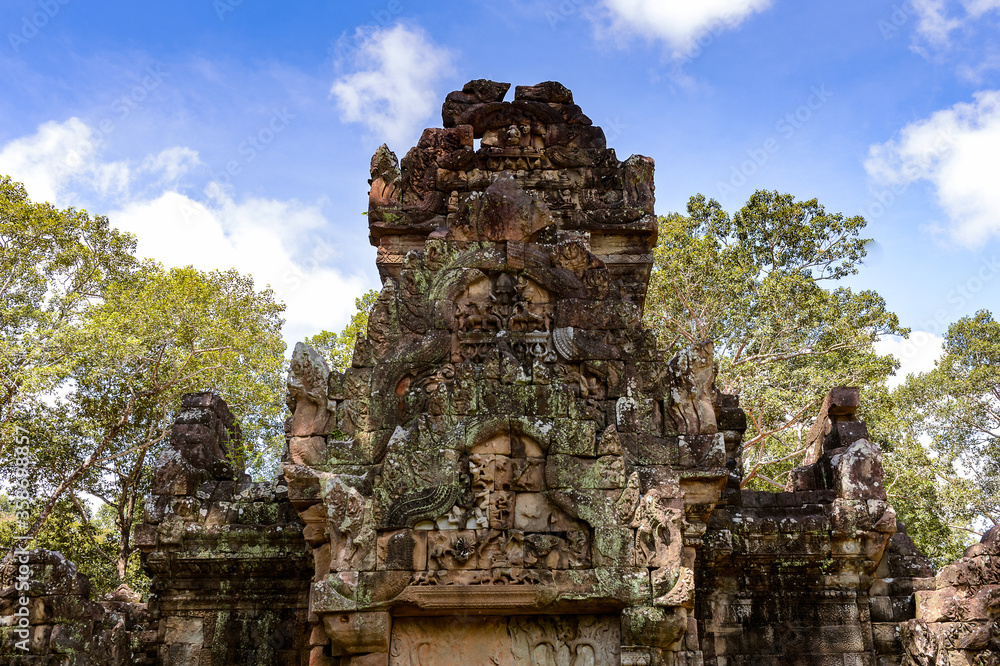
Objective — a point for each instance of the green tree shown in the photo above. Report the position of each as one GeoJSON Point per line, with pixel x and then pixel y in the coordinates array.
{"type": "Point", "coordinates": [956, 409]}
{"type": "Point", "coordinates": [154, 336]}
{"type": "Point", "coordinates": [911, 475]}
{"type": "Point", "coordinates": [53, 264]}
{"type": "Point", "coordinates": [83, 536]}
{"type": "Point", "coordinates": [762, 284]}
{"type": "Point", "coordinates": [338, 348]}
{"type": "Point", "coordinates": [95, 351]}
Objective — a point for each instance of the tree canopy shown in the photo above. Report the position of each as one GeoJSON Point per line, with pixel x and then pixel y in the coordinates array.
{"type": "Point", "coordinates": [97, 350]}
{"type": "Point", "coordinates": [338, 348]}
{"type": "Point", "coordinates": [53, 265]}
{"type": "Point", "coordinates": [762, 284]}
{"type": "Point", "coordinates": [954, 410]}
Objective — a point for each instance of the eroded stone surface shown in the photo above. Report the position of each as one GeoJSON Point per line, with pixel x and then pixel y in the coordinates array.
{"type": "Point", "coordinates": [59, 620]}
{"type": "Point", "coordinates": [228, 557]}
{"type": "Point", "coordinates": [510, 472]}
{"type": "Point", "coordinates": [957, 615]}
{"type": "Point", "coordinates": [505, 395]}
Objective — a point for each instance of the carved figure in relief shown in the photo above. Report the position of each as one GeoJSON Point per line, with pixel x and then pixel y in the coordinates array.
{"type": "Point", "coordinates": [574, 256]}
{"type": "Point", "coordinates": [351, 536]}
{"type": "Point", "coordinates": [462, 394]}
{"type": "Point", "coordinates": [564, 641]}
{"type": "Point", "coordinates": [579, 549]}
{"type": "Point", "coordinates": [308, 378]}
{"type": "Point", "coordinates": [628, 501]}
{"type": "Point", "coordinates": [498, 550]}
{"type": "Point", "coordinates": [455, 516]}
{"type": "Point", "coordinates": [658, 541]}
{"type": "Point", "coordinates": [451, 549]}
{"type": "Point", "coordinates": [503, 290]}
{"type": "Point", "coordinates": [355, 416]}
{"type": "Point", "coordinates": [505, 303]}
{"type": "Point", "coordinates": [479, 519]}
{"type": "Point", "coordinates": [412, 300]}
{"type": "Point", "coordinates": [543, 550]}
{"type": "Point", "coordinates": [691, 401]}
{"type": "Point", "coordinates": [598, 282]}
{"type": "Point", "coordinates": [501, 507]}
{"type": "Point", "coordinates": [437, 641]}
{"type": "Point", "coordinates": [380, 319]}
{"type": "Point", "coordinates": [481, 471]}
{"type": "Point", "coordinates": [517, 135]}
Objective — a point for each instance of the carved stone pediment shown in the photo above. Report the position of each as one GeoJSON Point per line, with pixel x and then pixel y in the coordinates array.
{"type": "Point", "coordinates": [470, 471]}
{"type": "Point", "coordinates": [509, 444]}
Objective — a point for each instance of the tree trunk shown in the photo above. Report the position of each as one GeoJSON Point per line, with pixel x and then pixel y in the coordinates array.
{"type": "Point", "coordinates": [131, 493]}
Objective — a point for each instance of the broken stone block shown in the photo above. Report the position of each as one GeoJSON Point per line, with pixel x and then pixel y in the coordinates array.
{"type": "Point", "coordinates": [307, 450]}
{"type": "Point", "coordinates": [354, 633]}
{"type": "Point", "coordinates": [857, 471]}
{"type": "Point", "coordinates": [549, 91]}
{"type": "Point", "coordinates": [533, 512]}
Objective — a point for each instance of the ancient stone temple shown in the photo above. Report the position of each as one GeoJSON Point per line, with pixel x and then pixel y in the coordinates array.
{"type": "Point", "coordinates": [505, 482]}
{"type": "Point", "coordinates": [512, 473]}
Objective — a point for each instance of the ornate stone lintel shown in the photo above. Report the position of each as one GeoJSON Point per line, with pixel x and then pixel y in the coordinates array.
{"type": "Point", "coordinates": [483, 597]}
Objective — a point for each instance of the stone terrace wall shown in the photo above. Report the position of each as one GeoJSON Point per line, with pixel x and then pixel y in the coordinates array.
{"type": "Point", "coordinates": [64, 626]}
{"type": "Point", "coordinates": [817, 575]}
{"type": "Point", "coordinates": [958, 617]}
{"type": "Point", "coordinates": [230, 568]}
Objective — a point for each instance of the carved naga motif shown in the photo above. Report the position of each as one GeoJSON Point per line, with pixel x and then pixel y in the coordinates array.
{"type": "Point", "coordinates": [386, 186]}
{"type": "Point", "coordinates": [352, 544]}
{"type": "Point", "coordinates": [308, 378]}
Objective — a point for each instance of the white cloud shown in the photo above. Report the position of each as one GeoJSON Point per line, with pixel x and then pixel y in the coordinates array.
{"type": "Point", "coordinates": [955, 150]}
{"type": "Point", "coordinates": [934, 22]}
{"type": "Point", "coordinates": [679, 22]}
{"type": "Point", "coordinates": [171, 163]}
{"type": "Point", "coordinates": [280, 243]}
{"type": "Point", "coordinates": [61, 156]}
{"type": "Point", "coordinates": [392, 88]}
{"type": "Point", "coordinates": [937, 19]}
{"type": "Point", "coordinates": [916, 354]}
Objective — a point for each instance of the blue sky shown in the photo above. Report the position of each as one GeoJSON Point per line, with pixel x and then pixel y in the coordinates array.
{"type": "Point", "coordinates": [238, 132]}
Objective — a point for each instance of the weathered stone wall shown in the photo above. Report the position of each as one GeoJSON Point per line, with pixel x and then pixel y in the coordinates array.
{"type": "Point", "coordinates": [815, 575]}
{"type": "Point", "coordinates": [802, 577]}
{"type": "Point", "coordinates": [59, 624]}
{"type": "Point", "coordinates": [229, 565]}
{"type": "Point", "coordinates": [509, 441]}
{"type": "Point", "coordinates": [512, 473]}
{"type": "Point", "coordinates": [958, 616]}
